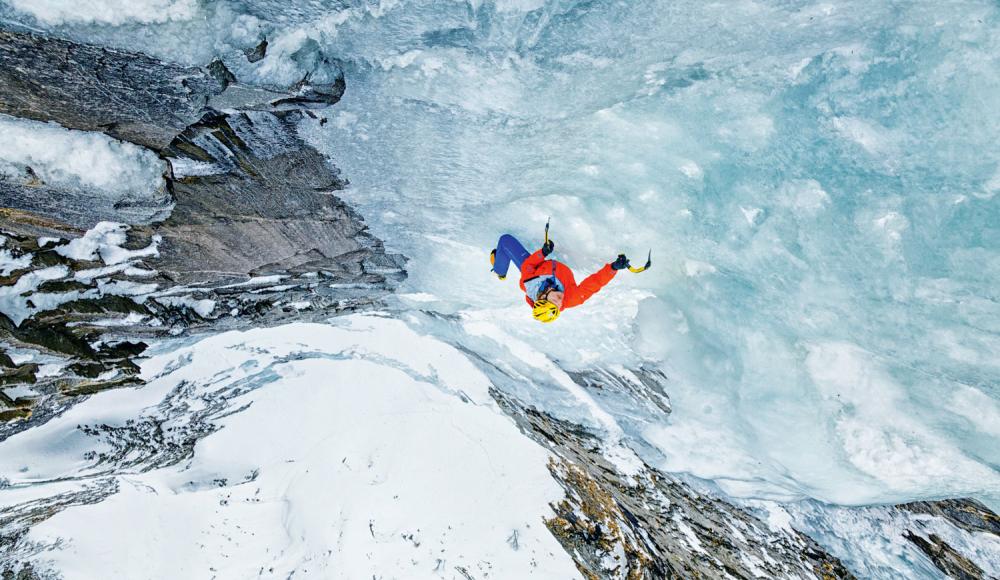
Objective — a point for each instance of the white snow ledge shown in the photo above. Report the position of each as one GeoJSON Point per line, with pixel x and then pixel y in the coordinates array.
{"type": "Point", "coordinates": [77, 160]}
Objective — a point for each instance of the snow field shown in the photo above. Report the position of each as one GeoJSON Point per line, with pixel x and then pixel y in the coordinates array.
{"type": "Point", "coordinates": [361, 448]}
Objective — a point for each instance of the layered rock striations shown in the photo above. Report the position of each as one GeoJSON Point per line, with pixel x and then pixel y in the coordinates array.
{"type": "Point", "coordinates": [129, 96]}
{"type": "Point", "coordinates": [641, 523]}
{"type": "Point", "coordinates": [244, 229]}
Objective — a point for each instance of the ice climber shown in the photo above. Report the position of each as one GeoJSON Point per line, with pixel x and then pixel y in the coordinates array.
{"type": "Point", "coordinates": [549, 286]}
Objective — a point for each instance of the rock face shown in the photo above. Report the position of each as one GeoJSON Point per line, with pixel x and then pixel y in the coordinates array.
{"type": "Point", "coordinates": [648, 524]}
{"type": "Point", "coordinates": [61, 207]}
{"type": "Point", "coordinates": [129, 96]}
{"type": "Point", "coordinates": [271, 188]}
{"type": "Point", "coordinates": [252, 233]}
{"type": "Point", "coordinates": [965, 514]}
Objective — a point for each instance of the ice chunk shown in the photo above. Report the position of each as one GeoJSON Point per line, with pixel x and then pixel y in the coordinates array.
{"type": "Point", "coordinates": [55, 12]}
{"type": "Point", "coordinates": [74, 159]}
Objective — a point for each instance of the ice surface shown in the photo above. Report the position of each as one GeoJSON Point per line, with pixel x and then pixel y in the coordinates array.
{"type": "Point", "coordinates": [52, 12]}
{"type": "Point", "coordinates": [72, 159]}
{"type": "Point", "coordinates": [817, 181]}
{"type": "Point", "coordinates": [790, 214]}
{"type": "Point", "coordinates": [806, 174]}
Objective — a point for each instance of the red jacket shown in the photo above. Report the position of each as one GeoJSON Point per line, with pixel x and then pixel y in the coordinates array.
{"type": "Point", "coordinates": [574, 295]}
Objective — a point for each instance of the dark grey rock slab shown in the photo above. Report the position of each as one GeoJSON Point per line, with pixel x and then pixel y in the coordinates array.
{"type": "Point", "coordinates": [256, 53]}
{"type": "Point", "coordinates": [652, 525]}
{"type": "Point", "coordinates": [946, 558]}
{"type": "Point", "coordinates": [129, 96]}
{"type": "Point", "coordinates": [245, 197]}
{"type": "Point", "coordinates": [83, 207]}
{"type": "Point", "coordinates": [264, 207]}
{"type": "Point", "coordinates": [967, 514]}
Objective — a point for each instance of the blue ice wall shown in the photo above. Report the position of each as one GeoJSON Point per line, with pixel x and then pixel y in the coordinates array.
{"type": "Point", "coordinates": [818, 181]}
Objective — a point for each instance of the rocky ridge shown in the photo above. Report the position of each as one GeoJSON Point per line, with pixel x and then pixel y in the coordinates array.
{"type": "Point", "coordinates": [646, 524]}
{"type": "Point", "coordinates": [246, 229]}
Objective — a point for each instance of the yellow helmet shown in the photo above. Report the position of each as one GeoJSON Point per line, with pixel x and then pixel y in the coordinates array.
{"type": "Point", "coordinates": [545, 311]}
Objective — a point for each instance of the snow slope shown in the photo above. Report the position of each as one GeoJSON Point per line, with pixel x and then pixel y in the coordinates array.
{"type": "Point", "coordinates": [347, 450]}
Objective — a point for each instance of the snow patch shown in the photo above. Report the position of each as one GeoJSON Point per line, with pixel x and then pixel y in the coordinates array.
{"type": "Point", "coordinates": [105, 240]}
{"type": "Point", "coordinates": [10, 263]}
{"type": "Point", "coordinates": [125, 288]}
{"type": "Point", "coordinates": [20, 391]}
{"type": "Point", "coordinates": [13, 299]}
{"type": "Point", "coordinates": [419, 297]}
{"type": "Point", "coordinates": [258, 281]}
{"type": "Point", "coordinates": [203, 307]}
{"type": "Point", "coordinates": [72, 159]}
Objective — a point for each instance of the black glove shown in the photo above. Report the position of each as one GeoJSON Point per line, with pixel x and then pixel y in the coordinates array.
{"type": "Point", "coordinates": [621, 263]}
{"type": "Point", "coordinates": [547, 247]}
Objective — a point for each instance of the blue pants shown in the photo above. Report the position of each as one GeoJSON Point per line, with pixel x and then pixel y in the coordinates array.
{"type": "Point", "coordinates": [509, 250]}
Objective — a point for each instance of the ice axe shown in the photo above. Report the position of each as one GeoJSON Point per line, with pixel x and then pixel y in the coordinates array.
{"type": "Point", "coordinates": [547, 220]}
{"type": "Point", "coordinates": [649, 262]}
